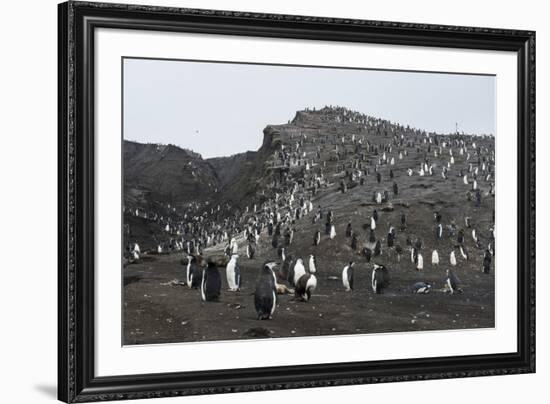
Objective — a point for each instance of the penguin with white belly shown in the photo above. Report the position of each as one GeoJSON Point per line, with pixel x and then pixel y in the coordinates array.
{"type": "Point", "coordinates": [233, 273]}
{"type": "Point", "coordinates": [347, 276]}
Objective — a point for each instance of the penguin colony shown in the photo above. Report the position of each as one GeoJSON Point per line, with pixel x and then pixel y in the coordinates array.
{"type": "Point", "coordinates": [374, 160]}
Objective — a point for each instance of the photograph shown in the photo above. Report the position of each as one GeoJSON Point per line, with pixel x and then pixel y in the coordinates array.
{"type": "Point", "coordinates": [287, 201]}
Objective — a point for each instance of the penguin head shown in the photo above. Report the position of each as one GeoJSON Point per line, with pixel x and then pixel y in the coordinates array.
{"type": "Point", "coordinates": [270, 265]}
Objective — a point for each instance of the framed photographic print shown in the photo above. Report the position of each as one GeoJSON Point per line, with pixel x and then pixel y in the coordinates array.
{"type": "Point", "coordinates": [255, 201]}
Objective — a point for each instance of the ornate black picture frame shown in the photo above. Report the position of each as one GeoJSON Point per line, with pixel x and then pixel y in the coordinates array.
{"type": "Point", "coordinates": [77, 23]}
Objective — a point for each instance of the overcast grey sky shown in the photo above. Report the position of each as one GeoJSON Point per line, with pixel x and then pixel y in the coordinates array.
{"type": "Point", "coordinates": [219, 109]}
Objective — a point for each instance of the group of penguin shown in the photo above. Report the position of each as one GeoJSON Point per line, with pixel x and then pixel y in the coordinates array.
{"type": "Point", "coordinates": [281, 210]}
{"type": "Point", "coordinates": [209, 280]}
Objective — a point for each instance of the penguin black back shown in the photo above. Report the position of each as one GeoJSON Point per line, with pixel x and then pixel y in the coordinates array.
{"type": "Point", "coordinates": [211, 283]}
{"type": "Point", "coordinates": [265, 295]}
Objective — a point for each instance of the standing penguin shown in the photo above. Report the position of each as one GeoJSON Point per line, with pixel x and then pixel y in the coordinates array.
{"type": "Point", "coordinates": [403, 221]}
{"type": "Point", "coordinates": [391, 237]}
{"type": "Point", "coordinates": [317, 238]}
{"type": "Point", "coordinates": [435, 257]}
{"type": "Point", "coordinates": [487, 262]}
{"type": "Point", "coordinates": [304, 286]}
{"type": "Point", "coordinates": [452, 282]}
{"type": "Point", "coordinates": [380, 278]}
{"type": "Point", "coordinates": [460, 236]}
{"type": "Point", "coordinates": [452, 258]}
{"type": "Point", "coordinates": [265, 296]}
{"type": "Point", "coordinates": [347, 276]}
{"type": "Point", "coordinates": [463, 251]}
{"type": "Point", "coordinates": [348, 230]}
{"type": "Point", "coordinates": [367, 252]}
{"type": "Point", "coordinates": [211, 284]}
{"type": "Point", "coordinates": [312, 267]}
{"type": "Point", "coordinates": [398, 252]}
{"type": "Point", "coordinates": [327, 228]}
{"type": "Point", "coordinates": [194, 273]}
{"type": "Point", "coordinates": [332, 232]}
{"type": "Point", "coordinates": [377, 248]}
{"type": "Point", "coordinates": [372, 223]}
{"type": "Point", "coordinates": [419, 262]}
{"type": "Point", "coordinates": [250, 250]}
{"type": "Point", "coordinates": [233, 273]}
{"type": "Point", "coordinates": [439, 231]}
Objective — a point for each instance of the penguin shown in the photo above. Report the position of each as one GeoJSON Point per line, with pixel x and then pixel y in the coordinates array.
{"type": "Point", "coordinates": [347, 276]}
{"type": "Point", "coordinates": [286, 272]}
{"type": "Point", "coordinates": [375, 216]}
{"type": "Point", "coordinates": [377, 248]}
{"type": "Point", "coordinates": [419, 262]}
{"type": "Point", "coordinates": [265, 295]}
{"type": "Point", "coordinates": [437, 217]}
{"type": "Point", "coordinates": [348, 230]}
{"type": "Point", "coordinates": [487, 262]}
{"type": "Point", "coordinates": [304, 286]}
{"type": "Point", "coordinates": [421, 288]}
{"type": "Point", "coordinates": [250, 250]}
{"type": "Point", "coordinates": [452, 258]}
{"type": "Point", "coordinates": [380, 278]}
{"type": "Point", "coordinates": [367, 252]}
{"type": "Point", "coordinates": [452, 282]}
{"type": "Point", "coordinates": [391, 237]}
{"type": "Point", "coordinates": [327, 228]}
{"type": "Point", "coordinates": [467, 221]}
{"type": "Point", "coordinates": [211, 283]}
{"type": "Point", "coordinates": [233, 273]}
{"type": "Point", "coordinates": [399, 252]}
{"type": "Point", "coordinates": [460, 236]}
{"type": "Point", "coordinates": [403, 221]}
{"type": "Point", "coordinates": [281, 253]}
{"type": "Point", "coordinates": [332, 232]}
{"type": "Point", "coordinates": [435, 257]}
{"type": "Point", "coordinates": [463, 252]}
{"type": "Point", "coordinates": [439, 231]}
{"type": "Point", "coordinates": [299, 270]}
{"type": "Point", "coordinates": [317, 238]}
{"type": "Point", "coordinates": [474, 235]}
{"type": "Point", "coordinates": [395, 189]}
{"type": "Point", "coordinates": [312, 267]}
{"type": "Point", "coordinates": [234, 246]}
{"type": "Point", "coordinates": [194, 273]}
{"type": "Point", "coordinates": [372, 224]}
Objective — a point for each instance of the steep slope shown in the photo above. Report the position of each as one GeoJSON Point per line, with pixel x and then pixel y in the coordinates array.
{"type": "Point", "coordinates": [165, 174]}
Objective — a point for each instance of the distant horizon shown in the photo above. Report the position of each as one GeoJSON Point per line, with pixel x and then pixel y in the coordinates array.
{"type": "Point", "coordinates": [218, 109]}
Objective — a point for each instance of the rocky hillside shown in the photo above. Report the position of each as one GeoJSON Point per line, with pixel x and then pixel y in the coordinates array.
{"type": "Point", "coordinates": [165, 174]}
